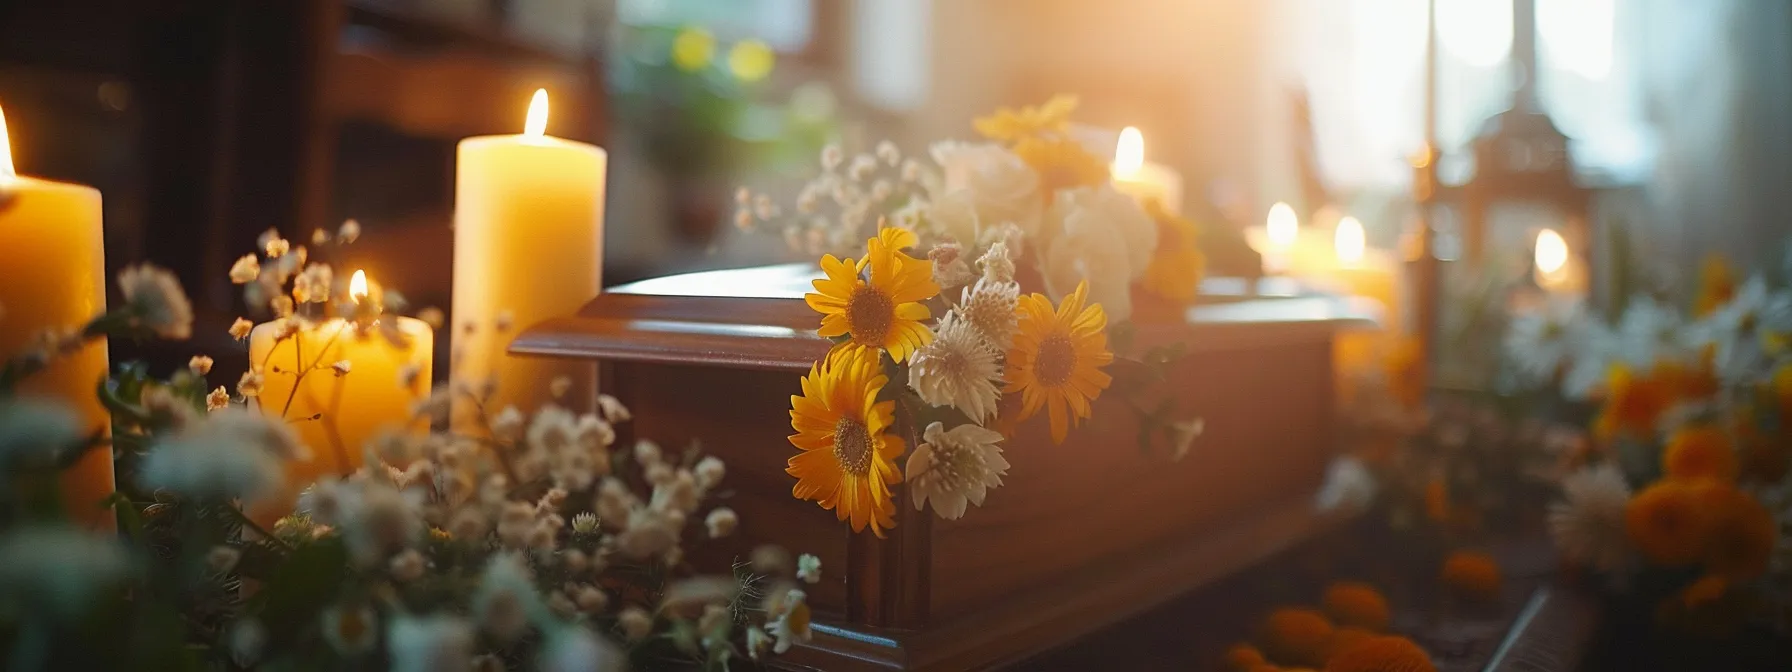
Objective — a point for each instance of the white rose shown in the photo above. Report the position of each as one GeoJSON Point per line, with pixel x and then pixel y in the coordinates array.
{"type": "Point", "coordinates": [1086, 250]}
{"type": "Point", "coordinates": [954, 214]}
{"type": "Point", "coordinates": [1002, 187]}
{"type": "Point", "coordinates": [1105, 211]}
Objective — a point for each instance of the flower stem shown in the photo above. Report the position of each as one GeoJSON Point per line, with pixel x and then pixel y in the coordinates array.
{"type": "Point", "coordinates": [252, 525]}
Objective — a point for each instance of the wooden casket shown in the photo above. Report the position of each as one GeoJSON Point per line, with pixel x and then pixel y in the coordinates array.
{"type": "Point", "coordinates": [1081, 535]}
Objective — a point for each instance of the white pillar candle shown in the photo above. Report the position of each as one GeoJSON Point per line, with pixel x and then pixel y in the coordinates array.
{"type": "Point", "coordinates": [528, 245]}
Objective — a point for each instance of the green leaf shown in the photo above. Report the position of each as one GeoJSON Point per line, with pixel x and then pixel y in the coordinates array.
{"type": "Point", "coordinates": [298, 589]}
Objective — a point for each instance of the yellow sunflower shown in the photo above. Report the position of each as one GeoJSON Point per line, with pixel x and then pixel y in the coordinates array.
{"type": "Point", "coordinates": [1010, 125]}
{"type": "Point", "coordinates": [1061, 164]}
{"type": "Point", "coordinates": [884, 312]}
{"type": "Point", "coordinates": [1057, 358]}
{"type": "Point", "coordinates": [1176, 266]}
{"type": "Point", "coordinates": [848, 461]}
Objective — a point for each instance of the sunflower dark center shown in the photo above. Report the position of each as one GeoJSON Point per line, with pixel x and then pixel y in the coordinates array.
{"type": "Point", "coordinates": [868, 314]}
{"type": "Point", "coordinates": [852, 446]}
{"type": "Point", "coordinates": [1057, 360]}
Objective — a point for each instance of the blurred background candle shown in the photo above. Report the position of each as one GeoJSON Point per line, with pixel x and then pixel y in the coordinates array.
{"type": "Point", "coordinates": [1370, 279]}
{"type": "Point", "coordinates": [1143, 180]}
{"type": "Point", "coordinates": [528, 243]}
{"type": "Point", "coordinates": [53, 276]}
{"type": "Point", "coordinates": [337, 413]}
{"type": "Point", "coordinates": [1553, 265]}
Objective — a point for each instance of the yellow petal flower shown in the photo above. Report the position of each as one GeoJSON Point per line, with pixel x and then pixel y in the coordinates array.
{"type": "Point", "coordinates": [1057, 357]}
{"type": "Point", "coordinates": [847, 461]}
{"type": "Point", "coordinates": [882, 313]}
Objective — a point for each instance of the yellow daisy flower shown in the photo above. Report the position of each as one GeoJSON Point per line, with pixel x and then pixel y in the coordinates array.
{"type": "Point", "coordinates": [1057, 358]}
{"type": "Point", "coordinates": [1177, 265]}
{"type": "Point", "coordinates": [848, 461]}
{"type": "Point", "coordinates": [1010, 125]}
{"type": "Point", "coordinates": [884, 312]}
{"type": "Point", "coordinates": [1061, 164]}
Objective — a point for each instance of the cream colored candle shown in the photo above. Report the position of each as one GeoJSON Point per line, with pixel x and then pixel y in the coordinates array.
{"type": "Point", "coordinates": [528, 244]}
{"type": "Point", "coordinates": [53, 276]}
{"type": "Point", "coordinates": [340, 386]}
{"type": "Point", "coordinates": [1141, 179]}
{"type": "Point", "coordinates": [1373, 277]}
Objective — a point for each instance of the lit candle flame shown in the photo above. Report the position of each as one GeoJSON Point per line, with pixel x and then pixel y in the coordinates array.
{"type": "Point", "coordinates": [357, 286]}
{"type": "Point", "coordinates": [1350, 240]}
{"type": "Point", "coordinates": [536, 125]}
{"type": "Point", "coordinates": [1283, 225]}
{"type": "Point", "coordinates": [1551, 252]}
{"type": "Point", "coordinates": [1129, 153]}
{"type": "Point", "coordinates": [6, 170]}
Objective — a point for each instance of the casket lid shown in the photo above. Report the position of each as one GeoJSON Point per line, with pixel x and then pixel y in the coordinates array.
{"type": "Point", "coordinates": [756, 318]}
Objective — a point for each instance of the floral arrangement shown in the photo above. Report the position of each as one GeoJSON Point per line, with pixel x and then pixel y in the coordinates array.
{"type": "Point", "coordinates": [535, 542]}
{"type": "Point", "coordinates": [970, 353]}
{"type": "Point", "coordinates": [1682, 490]}
{"type": "Point", "coordinates": [1348, 632]}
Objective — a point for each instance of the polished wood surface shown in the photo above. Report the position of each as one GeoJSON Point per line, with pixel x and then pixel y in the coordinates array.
{"type": "Point", "coordinates": [1081, 535]}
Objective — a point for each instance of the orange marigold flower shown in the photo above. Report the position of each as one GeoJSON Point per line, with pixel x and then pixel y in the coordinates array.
{"type": "Point", "coordinates": [1382, 654]}
{"type": "Point", "coordinates": [1717, 285]}
{"type": "Point", "coordinates": [1297, 635]}
{"type": "Point", "coordinates": [1354, 603]}
{"type": "Point", "coordinates": [1243, 657]}
{"type": "Point", "coordinates": [1666, 523]}
{"type": "Point", "coordinates": [1741, 533]}
{"type": "Point", "coordinates": [1472, 574]}
{"type": "Point", "coordinates": [1699, 452]}
{"type": "Point", "coordinates": [1344, 638]}
{"type": "Point", "coordinates": [1706, 590]}
{"type": "Point", "coordinates": [1634, 404]}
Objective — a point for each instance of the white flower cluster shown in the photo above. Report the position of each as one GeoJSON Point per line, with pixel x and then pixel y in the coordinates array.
{"type": "Point", "coordinates": [1560, 339]}
{"type": "Point", "coordinates": [841, 205]}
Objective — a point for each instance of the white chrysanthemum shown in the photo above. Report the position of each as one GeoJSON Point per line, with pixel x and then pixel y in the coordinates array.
{"type": "Point", "coordinates": [1348, 486]}
{"type": "Point", "coordinates": [430, 644]}
{"type": "Point", "coordinates": [1650, 331]}
{"type": "Point", "coordinates": [59, 571]}
{"type": "Point", "coordinates": [231, 454]}
{"type": "Point", "coordinates": [957, 369]}
{"type": "Point", "coordinates": [574, 648]}
{"type": "Point", "coordinates": [1588, 525]}
{"type": "Point", "coordinates": [953, 468]}
{"type": "Point", "coordinates": [506, 599]}
{"type": "Point", "coordinates": [1738, 331]}
{"type": "Point", "coordinates": [613, 410]}
{"type": "Point", "coordinates": [988, 307]}
{"type": "Point", "coordinates": [1540, 341]}
{"type": "Point", "coordinates": [155, 301]}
